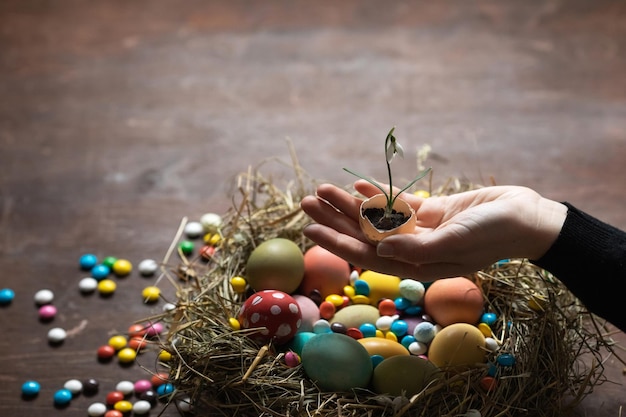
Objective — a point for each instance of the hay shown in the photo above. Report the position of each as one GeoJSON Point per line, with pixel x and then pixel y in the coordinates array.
{"type": "Point", "coordinates": [559, 347]}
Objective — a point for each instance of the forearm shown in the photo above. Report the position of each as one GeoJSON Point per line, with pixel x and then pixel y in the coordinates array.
{"type": "Point", "coordinates": [589, 257]}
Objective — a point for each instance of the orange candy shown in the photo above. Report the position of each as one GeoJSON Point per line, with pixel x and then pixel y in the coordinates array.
{"type": "Point", "coordinates": [387, 307]}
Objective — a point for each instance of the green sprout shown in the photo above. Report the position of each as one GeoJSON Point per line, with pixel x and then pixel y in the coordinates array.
{"type": "Point", "coordinates": [392, 147]}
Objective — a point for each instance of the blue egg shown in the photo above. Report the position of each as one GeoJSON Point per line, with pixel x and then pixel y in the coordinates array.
{"type": "Point", "coordinates": [88, 261]}
{"type": "Point", "coordinates": [361, 287]}
{"type": "Point", "coordinates": [506, 360]}
{"type": "Point", "coordinates": [99, 272]}
{"type": "Point", "coordinates": [30, 388]}
{"type": "Point", "coordinates": [399, 328]}
{"type": "Point", "coordinates": [368, 329]}
{"type": "Point", "coordinates": [488, 318]}
{"type": "Point", "coordinates": [402, 303]}
{"type": "Point", "coordinates": [6, 296]}
{"type": "Point", "coordinates": [299, 340]}
{"type": "Point", "coordinates": [62, 396]}
{"type": "Point", "coordinates": [413, 311]}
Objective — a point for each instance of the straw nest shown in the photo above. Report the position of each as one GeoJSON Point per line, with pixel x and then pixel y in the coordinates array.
{"type": "Point", "coordinates": [559, 347]}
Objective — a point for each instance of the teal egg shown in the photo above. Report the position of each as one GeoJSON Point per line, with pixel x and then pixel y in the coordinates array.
{"type": "Point", "coordinates": [299, 340]}
{"type": "Point", "coordinates": [336, 362]}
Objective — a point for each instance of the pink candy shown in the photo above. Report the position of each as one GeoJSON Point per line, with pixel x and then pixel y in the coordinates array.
{"type": "Point", "coordinates": [47, 312]}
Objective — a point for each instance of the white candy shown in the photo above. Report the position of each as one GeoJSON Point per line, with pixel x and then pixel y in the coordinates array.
{"type": "Point", "coordinates": [353, 277]}
{"type": "Point", "coordinates": [418, 348]}
{"type": "Point", "coordinates": [74, 386]}
{"type": "Point", "coordinates": [384, 322]}
{"type": "Point", "coordinates": [141, 407]}
{"type": "Point", "coordinates": [97, 409]}
{"type": "Point", "coordinates": [184, 405]}
{"type": "Point", "coordinates": [412, 290]}
{"type": "Point", "coordinates": [491, 344]}
{"type": "Point", "coordinates": [44, 297]}
{"type": "Point", "coordinates": [125, 387]}
{"type": "Point", "coordinates": [87, 285]}
{"type": "Point", "coordinates": [148, 267]}
{"type": "Point", "coordinates": [472, 412]}
{"type": "Point", "coordinates": [169, 307]}
{"type": "Point", "coordinates": [194, 230]}
{"type": "Point", "coordinates": [211, 222]}
{"type": "Point", "coordinates": [56, 335]}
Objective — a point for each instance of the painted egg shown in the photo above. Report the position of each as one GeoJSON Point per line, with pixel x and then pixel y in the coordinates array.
{"type": "Point", "coordinates": [336, 362]}
{"type": "Point", "coordinates": [324, 271]}
{"type": "Point", "coordinates": [459, 344]}
{"type": "Point", "coordinates": [276, 264]}
{"type": "Point", "coordinates": [383, 347]}
{"type": "Point", "coordinates": [275, 313]}
{"type": "Point", "coordinates": [310, 312]}
{"type": "Point", "coordinates": [454, 300]}
{"type": "Point", "coordinates": [381, 285]}
{"type": "Point", "coordinates": [403, 375]}
{"type": "Point", "coordinates": [355, 315]}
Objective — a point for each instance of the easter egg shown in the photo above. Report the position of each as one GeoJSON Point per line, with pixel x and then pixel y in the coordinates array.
{"type": "Point", "coordinates": [383, 347]}
{"type": "Point", "coordinates": [336, 362]}
{"type": "Point", "coordinates": [454, 300]}
{"type": "Point", "coordinates": [275, 313]}
{"type": "Point", "coordinates": [381, 285]}
{"type": "Point", "coordinates": [459, 344]}
{"type": "Point", "coordinates": [324, 271]}
{"type": "Point", "coordinates": [276, 264]}
{"type": "Point", "coordinates": [355, 315]}
{"type": "Point", "coordinates": [403, 375]}
{"type": "Point", "coordinates": [310, 312]}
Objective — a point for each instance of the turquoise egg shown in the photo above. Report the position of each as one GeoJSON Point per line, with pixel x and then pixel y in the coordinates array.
{"type": "Point", "coordinates": [336, 362]}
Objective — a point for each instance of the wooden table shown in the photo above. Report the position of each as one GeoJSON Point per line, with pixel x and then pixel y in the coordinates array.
{"type": "Point", "coordinates": [118, 119]}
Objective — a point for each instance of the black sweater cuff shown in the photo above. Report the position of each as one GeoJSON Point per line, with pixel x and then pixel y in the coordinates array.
{"type": "Point", "coordinates": [589, 257]}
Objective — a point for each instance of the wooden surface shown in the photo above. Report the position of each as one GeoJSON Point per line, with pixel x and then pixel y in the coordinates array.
{"type": "Point", "coordinates": [118, 118]}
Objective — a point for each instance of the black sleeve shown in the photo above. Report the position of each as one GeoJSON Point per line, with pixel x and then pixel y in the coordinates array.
{"type": "Point", "coordinates": [589, 257]}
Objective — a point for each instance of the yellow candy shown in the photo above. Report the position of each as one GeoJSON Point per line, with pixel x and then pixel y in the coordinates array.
{"type": "Point", "coordinates": [335, 299]}
{"type": "Point", "coordinates": [118, 342]}
{"type": "Point", "coordinates": [126, 355]}
{"type": "Point", "coordinates": [238, 284]}
{"type": "Point", "coordinates": [537, 302]}
{"type": "Point", "coordinates": [234, 323]}
{"type": "Point", "coordinates": [422, 193]}
{"type": "Point", "coordinates": [212, 239]}
{"type": "Point", "coordinates": [123, 406]}
{"type": "Point", "coordinates": [379, 333]}
{"type": "Point", "coordinates": [165, 356]}
{"type": "Point", "coordinates": [107, 286]}
{"type": "Point", "coordinates": [391, 336]}
{"type": "Point", "coordinates": [361, 299]}
{"type": "Point", "coordinates": [348, 290]}
{"type": "Point", "coordinates": [151, 294]}
{"type": "Point", "coordinates": [485, 329]}
{"type": "Point", "coordinates": [122, 267]}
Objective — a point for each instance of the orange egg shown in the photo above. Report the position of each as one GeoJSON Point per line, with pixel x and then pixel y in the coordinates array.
{"type": "Point", "coordinates": [324, 271]}
{"type": "Point", "coordinates": [383, 347]}
{"type": "Point", "coordinates": [454, 300]}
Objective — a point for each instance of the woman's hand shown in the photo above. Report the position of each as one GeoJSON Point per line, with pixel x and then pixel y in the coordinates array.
{"type": "Point", "coordinates": [454, 235]}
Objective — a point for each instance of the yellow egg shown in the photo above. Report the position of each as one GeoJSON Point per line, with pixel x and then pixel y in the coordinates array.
{"type": "Point", "coordinates": [383, 347]}
{"type": "Point", "coordinates": [403, 375]}
{"type": "Point", "coordinates": [459, 344]}
{"type": "Point", "coordinates": [381, 286]}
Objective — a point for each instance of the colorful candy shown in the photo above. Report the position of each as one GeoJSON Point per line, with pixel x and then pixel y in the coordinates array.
{"type": "Point", "coordinates": [193, 230]}
{"type": "Point", "coordinates": [87, 285]}
{"type": "Point", "coordinates": [151, 294]}
{"type": "Point", "coordinates": [96, 409]}
{"type": "Point", "coordinates": [56, 335]}
{"type": "Point", "coordinates": [6, 296]}
{"type": "Point", "coordinates": [122, 267]}
{"type": "Point", "coordinates": [43, 297]}
{"type": "Point", "coordinates": [100, 272]}
{"type": "Point", "coordinates": [74, 386]}
{"type": "Point", "coordinates": [62, 397]}
{"type": "Point", "coordinates": [30, 388]}
{"type": "Point", "coordinates": [107, 287]}
{"type": "Point", "coordinates": [88, 261]}
{"type": "Point", "coordinates": [47, 312]}
{"type": "Point", "coordinates": [148, 267]}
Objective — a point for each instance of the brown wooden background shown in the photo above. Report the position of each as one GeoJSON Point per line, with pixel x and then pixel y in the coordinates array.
{"type": "Point", "coordinates": [119, 118]}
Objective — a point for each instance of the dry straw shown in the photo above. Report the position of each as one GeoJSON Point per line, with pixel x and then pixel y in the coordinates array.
{"type": "Point", "coordinates": [559, 347]}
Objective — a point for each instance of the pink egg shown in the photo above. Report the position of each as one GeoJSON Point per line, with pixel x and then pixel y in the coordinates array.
{"type": "Point", "coordinates": [310, 312]}
{"type": "Point", "coordinates": [275, 314]}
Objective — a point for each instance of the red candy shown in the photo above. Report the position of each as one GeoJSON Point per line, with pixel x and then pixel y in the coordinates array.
{"type": "Point", "coordinates": [387, 307]}
{"type": "Point", "coordinates": [137, 343]}
{"type": "Point", "coordinates": [327, 310]}
{"type": "Point", "coordinates": [275, 313]}
{"type": "Point", "coordinates": [114, 397]}
{"type": "Point", "coordinates": [113, 413]}
{"type": "Point", "coordinates": [136, 330]}
{"type": "Point", "coordinates": [106, 352]}
{"type": "Point", "coordinates": [159, 379]}
{"type": "Point", "coordinates": [354, 333]}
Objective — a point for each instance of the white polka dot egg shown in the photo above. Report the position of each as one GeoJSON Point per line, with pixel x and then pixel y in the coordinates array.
{"type": "Point", "coordinates": [276, 314]}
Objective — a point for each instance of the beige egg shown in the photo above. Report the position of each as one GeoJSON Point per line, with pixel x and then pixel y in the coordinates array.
{"type": "Point", "coordinates": [403, 375]}
{"type": "Point", "coordinates": [355, 315]}
{"type": "Point", "coordinates": [457, 345]}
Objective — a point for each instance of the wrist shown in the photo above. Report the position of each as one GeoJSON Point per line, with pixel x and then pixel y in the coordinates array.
{"type": "Point", "coordinates": [550, 217]}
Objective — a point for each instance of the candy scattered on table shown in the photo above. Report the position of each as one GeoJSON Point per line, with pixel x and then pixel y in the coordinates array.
{"type": "Point", "coordinates": [151, 294]}
{"type": "Point", "coordinates": [47, 312]}
{"type": "Point", "coordinates": [88, 261]}
{"type": "Point", "coordinates": [30, 388]}
{"type": "Point", "coordinates": [43, 297]}
{"type": "Point", "coordinates": [148, 267]}
{"type": "Point", "coordinates": [87, 285]}
{"type": "Point", "coordinates": [62, 397]}
{"type": "Point", "coordinates": [122, 267]}
{"type": "Point", "coordinates": [6, 296]}
{"type": "Point", "coordinates": [56, 335]}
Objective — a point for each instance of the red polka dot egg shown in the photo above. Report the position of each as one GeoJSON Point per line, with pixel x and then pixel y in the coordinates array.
{"type": "Point", "coordinates": [276, 314]}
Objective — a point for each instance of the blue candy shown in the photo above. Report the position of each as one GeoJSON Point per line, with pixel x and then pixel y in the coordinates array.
{"type": "Point", "coordinates": [368, 329]}
{"type": "Point", "coordinates": [402, 303]}
{"type": "Point", "coordinates": [62, 396]}
{"type": "Point", "coordinates": [506, 360]}
{"type": "Point", "coordinates": [165, 389]}
{"type": "Point", "coordinates": [6, 296]}
{"type": "Point", "coordinates": [376, 359]}
{"type": "Point", "coordinates": [88, 261]}
{"type": "Point", "coordinates": [30, 388]}
{"type": "Point", "coordinates": [361, 288]}
{"type": "Point", "coordinates": [399, 328]}
{"type": "Point", "coordinates": [99, 272]}
{"type": "Point", "coordinates": [488, 318]}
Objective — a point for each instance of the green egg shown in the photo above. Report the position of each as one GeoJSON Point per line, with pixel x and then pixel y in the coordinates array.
{"type": "Point", "coordinates": [403, 375]}
{"type": "Point", "coordinates": [336, 362]}
{"type": "Point", "coordinates": [276, 264]}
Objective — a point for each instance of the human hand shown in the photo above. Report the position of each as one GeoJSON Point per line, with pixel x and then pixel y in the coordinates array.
{"type": "Point", "coordinates": [454, 235]}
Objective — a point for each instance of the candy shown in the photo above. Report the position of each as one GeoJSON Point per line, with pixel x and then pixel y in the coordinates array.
{"type": "Point", "coordinates": [212, 239]}
{"type": "Point", "coordinates": [96, 409]}
{"type": "Point", "coordinates": [107, 287]}
{"type": "Point", "coordinates": [118, 342]}
{"type": "Point", "coordinates": [154, 329]}
{"type": "Point", "coordinates": [488, 383]}
{"type": "Point", "coordinates": [238, 284]}
{"type": "Point", "coordinates": [136, 330]}
{"type": "Point", "coordinates": [90, 386]}
{"type": "Point", "coordinates": [113, 413]}
{"type": "Point", "coordinates": [100, 272]}
{"type": "Point", "coordinates": [141, 407]}
{"type": "Point", "coordinates": [506, 360]}
{"type": "Point", "coordinates": [74, 386]}
{"type": "Point", "coordinates": [186, 247]}
{"type": "Point", "coordinates": [142, 385]}
{"type": "Point", "coordinates": [122, 267]}
{"type": "Point", "coordinates": [56, 335]}
{"type": "Point", "coordinates": [165, 389]}
{"type": "Point", "coordinates": [368, 330]}
{"type": "Point", "coordinates": [165, 356]}
{"type": "Point", "coordinates": [126, 355]}
{"type": "Point", "coordinates": [149, 396]}
{"type": "Point", "coordinates": [123, 406]}
{"type": "Point", "coordinates": [387, 307]}
{"type": "Point", "coordinates": [88, 261]}
{"type": "Point", "coordinates": [47, 312]}
{"type": "Point", "coordinates": [125, 387]}
{"type": "Point", "coordinates": [147, 267]}
{"type": "Point", "coordinates": [87, 285]}
{"type": "Point", "coordinates": [327, 310]}
{"type": "Point", "coordinates": [109, 261]}
{"type": "Point", "coordinates": [105, 352]}
{"type": "Point", "coordinates": [62, 397]}
{"type": "Point", "coordinates": [159, 379]}
{"type": "Point", "coordinates": [491, 344]}
{"type": "Point", "coordinates": [207, 252]}
{"type": "Point", "coordinates": [361, 287]}
{"type": "Point", "coordinates": [30, 388]}
{"type": "Point", "coordinates": [292, 359]}
{"type": "Point", "coordinates": [338, 328]}
{"type": "Point", "coordinates": [484, 329]}
{"type": "Point", "coordinates": [193, 230]}
{"type": "Point", "coordinates": [424, 332]}
{"type": "Point", "coordinates": [43, 297]}
{"type": "Point", "coordinates": [184, 405]}
{"type": "Point", "coordinates": [321, 326]}
{"type": "Point", "coordinates": [137, 343]}
{"type": "Point", "coordinates": [399, 328]}
{"type": "Point", "coordinates": [211, 222]}
{"type": "Point", "coordinates": [6, 296]}
{"type": "Point", "coordinates": [114, 397]}
{"type": "Point", "coordinates": [412, 290]}
{"type": "Point", "coordinates": [151, 294]}
{"type": "Point", "coordinates": [488, 318]}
